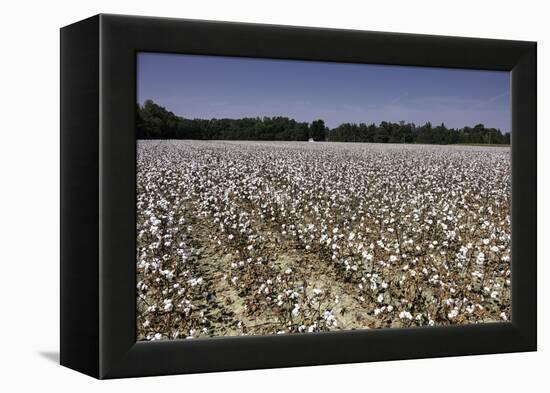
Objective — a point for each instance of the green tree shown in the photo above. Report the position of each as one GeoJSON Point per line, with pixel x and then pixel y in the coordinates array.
{"type": "Point", "coordinates": [318, 130]}
{"type": "Point", "coordinates": [156, 122]}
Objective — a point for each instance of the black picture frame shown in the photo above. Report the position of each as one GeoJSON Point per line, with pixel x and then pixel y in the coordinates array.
{"type": "Point", "coordinates": [98, 193]}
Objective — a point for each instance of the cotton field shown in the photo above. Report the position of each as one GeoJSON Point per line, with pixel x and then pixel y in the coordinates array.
{"type": "Point", "coordinates": [255, 238]}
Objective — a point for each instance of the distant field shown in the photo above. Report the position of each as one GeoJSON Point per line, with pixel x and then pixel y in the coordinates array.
{"type": "Point", "coordinates": [250, 238]}
{"type": "Point", "coordinates": [483, 145]}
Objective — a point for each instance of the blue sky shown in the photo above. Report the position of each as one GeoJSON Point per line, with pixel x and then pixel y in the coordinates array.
{"type": "Point", "coordinates": [230, 87]}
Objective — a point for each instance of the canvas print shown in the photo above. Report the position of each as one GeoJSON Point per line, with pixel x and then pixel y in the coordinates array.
{"type": "Point", "coordinates": [297, 197]}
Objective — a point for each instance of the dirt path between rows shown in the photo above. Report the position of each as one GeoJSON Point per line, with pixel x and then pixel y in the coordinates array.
{"type": "Point", "coordinates": [234, 316]}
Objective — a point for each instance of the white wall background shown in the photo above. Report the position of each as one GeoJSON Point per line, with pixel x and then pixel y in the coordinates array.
{"type": "Point", "coordinates": [29, 193]}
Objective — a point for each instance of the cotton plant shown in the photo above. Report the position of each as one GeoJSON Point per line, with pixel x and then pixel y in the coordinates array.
{"type": "Point", "coordinates": [413, 236]}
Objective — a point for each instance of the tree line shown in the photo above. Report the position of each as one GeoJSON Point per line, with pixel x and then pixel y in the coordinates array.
{"type": "Point", "coordinates": [156, 122]}
{"type": "Point", "coordinates": [387, 132]}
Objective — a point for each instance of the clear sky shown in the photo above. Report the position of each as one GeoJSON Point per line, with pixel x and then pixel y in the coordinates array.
{"type": "Point", "coordinates": [231, 87]}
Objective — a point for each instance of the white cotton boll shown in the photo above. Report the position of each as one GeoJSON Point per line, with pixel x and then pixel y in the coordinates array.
{"type": "Point", "coordinates": [373, 285]}
{"type": "Point", "coordinates": [195, 281]}
{"type": "Point", "coordinates": [453, 313]}
{"type": "Point", "coordinates": [477, 274]}
{"type": "Point", "coordinates": [366, 255]}
{"type": "Point", "coordinates": [168, 305]}
{"type": "Point", "coordinates": [156, 336]}
{"type": "Point", "coordinates": [480, 258]}
{"type": "Point", "coordinates": [329, 318]}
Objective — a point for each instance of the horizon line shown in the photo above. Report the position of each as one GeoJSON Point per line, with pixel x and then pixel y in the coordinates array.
{"type": "Point", "coordinates": [433, 124]}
